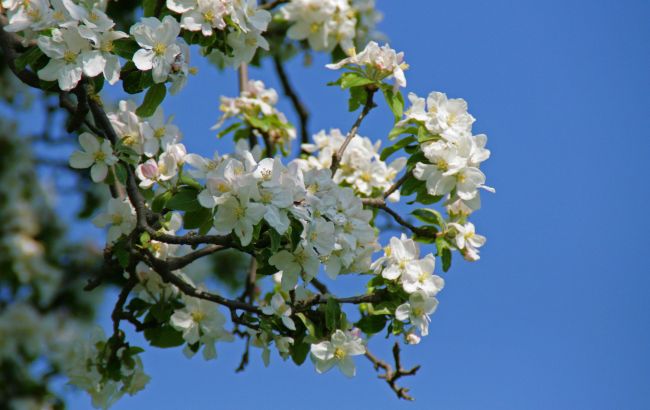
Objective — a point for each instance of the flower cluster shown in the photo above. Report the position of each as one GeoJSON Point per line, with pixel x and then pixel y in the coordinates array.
{"type": "Point", "coordinates": [256, 107]}
{"type": "Point", "coordinates": [242, 19]}
{"type": "Point", "coordinates": [401, 263]}
{"type": "Point", "coordinates": [360, 168]}
{"type": "Point", "coordinates": [453, 157]}
{"type": "Point", "coordinates": [285, 220]}
{"type": "Point", "coordinates": [323, 23]}
{"type": "Point", "coordinates": [78, 39]}
{"type": "Point", "coordinates": [378, 63]}
{"type": "Point", "coordinates": [146, 136]}
{"type": "Point", "coordinates": [90, 366]}
{"type": "Point", "coordinates": [334, 227]}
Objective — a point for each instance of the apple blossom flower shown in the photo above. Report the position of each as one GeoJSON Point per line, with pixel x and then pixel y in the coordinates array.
{"type": "Point", "coordinates": [103, 41]}
{"type": "Point", "coordinates": [303, 260]}
{"type": "Point", "coordinates": [403, 256]}
{"type": "Point", "coordinates": [159, 45]}
{"type": "Point", "coordinates": [120, 215]}
{"type": "Point", "coordinates": [153, 171]}
{"type": "Point", "coordinates": [467, 240]}
{"type": "Point", "coordinates": [238, 215]}
{"type": "Point", "coordinates": [338, 351]}
{"type": "Point", "coordinates": [200, 321]}
{"type": "Point", "coordinates": [380, 63]}
{"type": "Point", "coordinates": [35, 15]}
{"type": "Point", "coordinates": [96, 154]}
{"type": "Point", "coordinates": [417, 310]}
{"type": "Point", "coordinates": [423, 278]}
{"type": "Point", "coordinates": [323, 23]}
{"type": "Point", "coordinates": [70, 57]}
{"type": "Point", "coordinates": [279, 308]}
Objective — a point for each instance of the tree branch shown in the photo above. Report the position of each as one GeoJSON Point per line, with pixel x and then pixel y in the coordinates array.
{"type": "Point", "coordinates": [9, 42]}
{"type": "Point", "coordinates": [369, 105]}
{"type": "Point", "coordinates": [381, 204]}
{"type": "Point", "coordinates": [391, 376]}
{"type": "Point", "coordinates": [289, 91]}
{"type": "Point", "coordinates": [397, 184]}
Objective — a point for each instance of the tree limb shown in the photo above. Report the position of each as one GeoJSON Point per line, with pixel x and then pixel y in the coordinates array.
{"type": "Point", "coordinates": [392, 375]}
{"type": "Point", "coordinates": [369, 105]}
{"type": "Point", "coordinates": [289, 91]}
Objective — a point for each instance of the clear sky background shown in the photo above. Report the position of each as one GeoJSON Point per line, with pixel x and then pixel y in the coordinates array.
{"type": "Point", "coordinates": [556, 313]}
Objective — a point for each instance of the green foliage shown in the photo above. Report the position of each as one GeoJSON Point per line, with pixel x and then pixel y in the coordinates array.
{"type": "Point", "coordinates": [184, 200]}
{"type": "Point", "coordinates": [154, 97]}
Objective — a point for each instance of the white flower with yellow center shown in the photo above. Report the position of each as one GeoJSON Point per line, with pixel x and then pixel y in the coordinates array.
{"type": "Point", "coordinates": [338, 351]}
{"type": "Point", "coordinates": [200, 321]}
{"type": "Point", "coordinates": [96, 154]}
{"type": "Point", "coordinates": [303, 260]}
{"type": "Point", "coordinates": [70, 57]}
{"type": "Point", "coordinates": [159, 46]}
{"type": "Point", "coordinates": [423, 279]}
{"type": "Point", "coordinates": [153, 171]}
{"type": "Point", "coordinates": [120, 215]}
{"type": "Point", "coordinates": [467, 240]}
{"type": "Point", "coordinates": [278, 307]}
{"type": "Point", "coordinates": [239, 215]}
{"type": "Point", "coordinates": [380, 63]}
{"type": "Point", "coordinates": [417, 310]}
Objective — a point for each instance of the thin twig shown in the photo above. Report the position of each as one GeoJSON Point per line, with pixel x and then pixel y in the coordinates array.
{"type": "Point", "coordinates": [298, 106]}
{"type": "Point", "coordinates": [369, 105]}
{"type": "Point", "coordinates": [391, 376]}
{"type": "Point", "coordinates": [397, 184]}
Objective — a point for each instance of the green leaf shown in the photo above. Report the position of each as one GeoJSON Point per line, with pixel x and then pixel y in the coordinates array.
{"type": "Point", "coordinates": [276, 239]}
{"type": "Point", "coordinates": [388, 151]}
{"type": "Point", "coordinates": [185, 200]}
{"type": "Point", "coordinates": [149, 7]}
{"type": "Point", "coordinates": [164, 336]}
{"type": "Point", "coordinates": [429, 216]}
{"type": "Point", "coordinates": [155, 95]}
{"type": "Point", "coordinates": [309, 325]}
{"type": "Point", "coordinates": [372, 324]}
{"type": "Point", "coordinates": [257, 123]}
{"type": "Point", "coordinates": [357, 98]}
{"type": "Point", "coordinates": [229, 129]}
{"type": "Point", "coordinates": [395, 101]}
{"type": "Point", "coordinates": [196, 219]}
{"type": "Point", "coordinates": [120, 173]}
{"type": "Point", "coordinates": [28, 57]}
{"type": "Point", "coordinates": [397, 131]}
{"type": "Point", "coordinates": [131, 82]}
{"type": "Point", "coordinates": [187, 180]}
{"type": "Point", "coordinates": [125, 47]}
{"type": "Point", "coordinates": [410, 185]}
{"type": "Point", "coordinates": [160, 201]}
{"type": "Point", "coordinates": [350, 80]}
{"type": "Point", "coordinates": [332, 314]}
{"type": "Point", "coordinates": [299, 352]}
{"type": "Point", "coordinates": [427, 234]}
{"type": "Point", "coordinates": [444, 251]}
{"type": "Point", "coordinates": [145, 238]}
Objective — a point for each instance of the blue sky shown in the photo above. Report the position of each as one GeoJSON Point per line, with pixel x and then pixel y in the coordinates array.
{"type": "Point", "coordinates": [555, 314]}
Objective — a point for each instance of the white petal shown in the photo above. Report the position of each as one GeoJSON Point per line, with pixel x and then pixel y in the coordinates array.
{"type": "Point", "coordinates": [143, 59]}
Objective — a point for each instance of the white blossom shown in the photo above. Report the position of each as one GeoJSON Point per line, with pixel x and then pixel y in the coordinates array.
{"type": "Point", "coordinates": [120, 215]}
{"type": "Point", "coordinates": [159, 46]}
{"type": "Point", "coordinates": [380, 63]}
{"type": "Point", "coordinates": [200, 321]}
{"type": "Point", "coordinates": [338, 351]}
{"type": "Point", "coordinates": [96, 154]}
{"type": "Point", "coordinates": [279, 308]}
{"type": "Point", "coordinates": [417, 310]}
